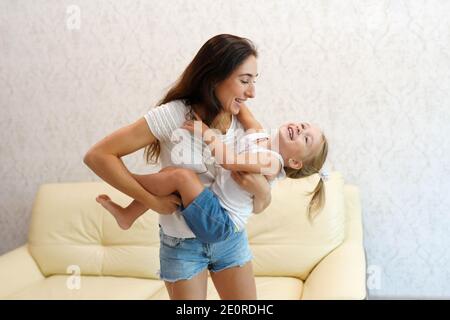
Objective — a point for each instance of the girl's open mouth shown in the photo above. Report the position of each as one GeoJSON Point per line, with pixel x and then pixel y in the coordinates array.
{"type": "Point", "coordinates": [291, 133]}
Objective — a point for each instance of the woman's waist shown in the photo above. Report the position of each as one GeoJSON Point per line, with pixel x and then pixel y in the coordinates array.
{"type": "Point", "coordinates": [174, 225]}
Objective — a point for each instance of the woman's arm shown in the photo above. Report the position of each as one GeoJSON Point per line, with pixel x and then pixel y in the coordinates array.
{"type": "Point", "coordinates": [104, 158]}
{"type": "Point", "coordinates": [257, 185]}
{"type": "Point", "coordinates": [253, 183]}
{"type": "Point", "coordinates": [261, 201]}
{"type": "Point", "coordinates": [247, 119]}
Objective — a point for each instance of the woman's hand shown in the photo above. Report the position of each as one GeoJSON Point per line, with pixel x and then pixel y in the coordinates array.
{"type": "Point", "coordinates": [167, 204]}
{"type": "Point", "coordinates": [257, 185]}
{"type": "Point", "coordinates": [253, 183]}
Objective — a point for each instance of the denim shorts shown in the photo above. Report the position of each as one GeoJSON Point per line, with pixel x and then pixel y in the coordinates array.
{"type": "Point", "coordinates": [208, 220]}
{"type": "Point", "coordinates": [182, 259]}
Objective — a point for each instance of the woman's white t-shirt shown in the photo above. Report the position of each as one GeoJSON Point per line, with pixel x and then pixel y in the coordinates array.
{"type": "Point", "coordinates": [180, 148]}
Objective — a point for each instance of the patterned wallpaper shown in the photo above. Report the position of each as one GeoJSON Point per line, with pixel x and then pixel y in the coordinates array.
{"type": "Point", "coordinates": [373, 74]}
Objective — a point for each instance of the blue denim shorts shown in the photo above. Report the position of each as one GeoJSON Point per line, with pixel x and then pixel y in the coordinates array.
{"type": "Point", "coordinates": [182, 259]}
{"type": "Point", "coordinates": [208, 220]}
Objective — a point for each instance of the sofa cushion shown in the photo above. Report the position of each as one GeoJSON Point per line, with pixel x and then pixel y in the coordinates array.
{"type": "Point", "coordinates": [110, 288]}
{"type": "Point", "coordinates": [90, 288]}
{"type": "Point", "coordinates": [69, 228]}
{"type": "Point", "coordinates": [283, 241]}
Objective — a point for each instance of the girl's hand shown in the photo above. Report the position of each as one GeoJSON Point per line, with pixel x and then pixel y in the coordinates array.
{"type": "Point", "coordinates": [167, 204]}
{"type": "Point", "coordinates": [191, 125]}
{"type": "Point", "coordinates": [253, 183]}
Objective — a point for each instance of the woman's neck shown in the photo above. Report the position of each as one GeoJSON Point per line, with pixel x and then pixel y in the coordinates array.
{"type": "Point", "coordinates": [222, 122]}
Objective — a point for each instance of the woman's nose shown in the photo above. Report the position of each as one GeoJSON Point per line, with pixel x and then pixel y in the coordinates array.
{"type": "Point", "coordinates": [250, 92]}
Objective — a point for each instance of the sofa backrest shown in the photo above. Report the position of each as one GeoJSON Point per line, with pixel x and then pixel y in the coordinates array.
{"type": "Point", "coordinates": [71, 232]}
{"type": "Point", "coordinates": [284, 241]}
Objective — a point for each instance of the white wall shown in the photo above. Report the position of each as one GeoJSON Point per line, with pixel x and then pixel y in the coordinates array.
{"type": "Point", "coordinates": [374, 74]}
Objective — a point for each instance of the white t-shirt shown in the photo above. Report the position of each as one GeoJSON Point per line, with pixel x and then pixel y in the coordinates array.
{"type": "Point", "coordinates": [180, 148]}
{"type": "Point", "coordinates": [237, 201]}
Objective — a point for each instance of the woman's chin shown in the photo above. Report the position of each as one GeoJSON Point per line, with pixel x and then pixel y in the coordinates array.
{"type": "Point", "coordinates": [234, 109]}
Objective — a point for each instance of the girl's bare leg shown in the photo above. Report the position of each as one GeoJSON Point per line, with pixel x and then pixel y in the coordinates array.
{"type": "Point", "coordinates": [170, 180]}
{"type": "Point", "coordinates": [163, 183]}
{"type": "Point", "coordinates": [125, 217]}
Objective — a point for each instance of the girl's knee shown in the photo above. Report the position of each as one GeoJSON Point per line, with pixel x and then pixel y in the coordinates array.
{"type": "Point", "coordinates": [183, 174]}
{"type": "Point", "coordinates": [169, 168]}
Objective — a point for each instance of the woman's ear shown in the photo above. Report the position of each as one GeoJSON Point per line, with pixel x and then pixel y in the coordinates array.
{"type": "Point", "coordinates": [294, 164]}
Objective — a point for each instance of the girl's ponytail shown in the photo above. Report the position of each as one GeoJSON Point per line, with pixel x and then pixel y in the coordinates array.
{"type": "Point", "coordinates": [317, 201]}
{"type": "Point", "coordinates": [309, 168]}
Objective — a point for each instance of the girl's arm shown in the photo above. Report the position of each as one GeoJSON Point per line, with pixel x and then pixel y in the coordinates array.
{"type": "Point", "coordinates": [247, 119]}
{"type": "Point", "coordinates": [265, 163]}
{"type": "Point", "coordinates": [255, 184]}
{"type": "Point", "coordinates": [104, 158]}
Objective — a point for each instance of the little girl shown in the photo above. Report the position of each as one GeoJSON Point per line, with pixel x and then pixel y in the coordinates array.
{"type": "Point", "coordinates": [215, 213]}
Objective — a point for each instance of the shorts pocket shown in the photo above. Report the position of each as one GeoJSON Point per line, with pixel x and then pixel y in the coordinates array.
{"type": "Point", "coordinates": [169, 241]}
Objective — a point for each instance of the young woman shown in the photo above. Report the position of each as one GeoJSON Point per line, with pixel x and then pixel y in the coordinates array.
{"type": "Point", "coordinates": [214, 85]}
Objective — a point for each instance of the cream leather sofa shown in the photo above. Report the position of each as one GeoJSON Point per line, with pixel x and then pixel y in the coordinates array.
{"type": "Point", "coordinates": [75, 250]}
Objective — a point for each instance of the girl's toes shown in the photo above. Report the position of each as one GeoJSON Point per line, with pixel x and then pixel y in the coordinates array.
{"type": "Point", "coordinates": [102, 197]}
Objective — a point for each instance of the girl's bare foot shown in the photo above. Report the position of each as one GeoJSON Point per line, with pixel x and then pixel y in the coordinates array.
{"type": "Point", "coordinates": [123, 220]}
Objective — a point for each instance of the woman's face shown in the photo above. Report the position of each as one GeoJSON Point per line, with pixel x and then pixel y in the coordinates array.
{"type": "Point", "coordinates": [238, 87]}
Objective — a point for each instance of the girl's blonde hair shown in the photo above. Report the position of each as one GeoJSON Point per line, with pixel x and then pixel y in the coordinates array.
{"type": "Point", "coordinates": [312, 166]}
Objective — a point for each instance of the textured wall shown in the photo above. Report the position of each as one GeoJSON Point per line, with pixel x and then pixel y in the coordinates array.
{"type": "Point", "coordinates": [374, 74]}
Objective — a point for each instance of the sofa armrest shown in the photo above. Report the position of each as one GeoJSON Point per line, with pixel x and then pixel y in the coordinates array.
{"type": "Point", "coordinates": [17, 271]}
{"type": "Point", "coordinates": [342, 273]}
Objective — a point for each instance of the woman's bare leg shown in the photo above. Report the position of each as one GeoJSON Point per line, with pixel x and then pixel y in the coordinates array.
{"type": "Point", "coordinates": [163, 183]}
{"type": "Point", "coordinates": [192, 289]}
{"type": "Point", "coordinates": [236, 283]}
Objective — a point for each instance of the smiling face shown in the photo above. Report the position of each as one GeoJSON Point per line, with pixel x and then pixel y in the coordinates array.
{"type": "Point", "coordinates": [238, 87]}
{"type": "Point", "coordinates": [299, 142]}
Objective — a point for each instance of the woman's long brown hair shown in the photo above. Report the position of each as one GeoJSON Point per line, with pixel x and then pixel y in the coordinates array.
{"type": "Point", "coordinates": [213, 63]}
